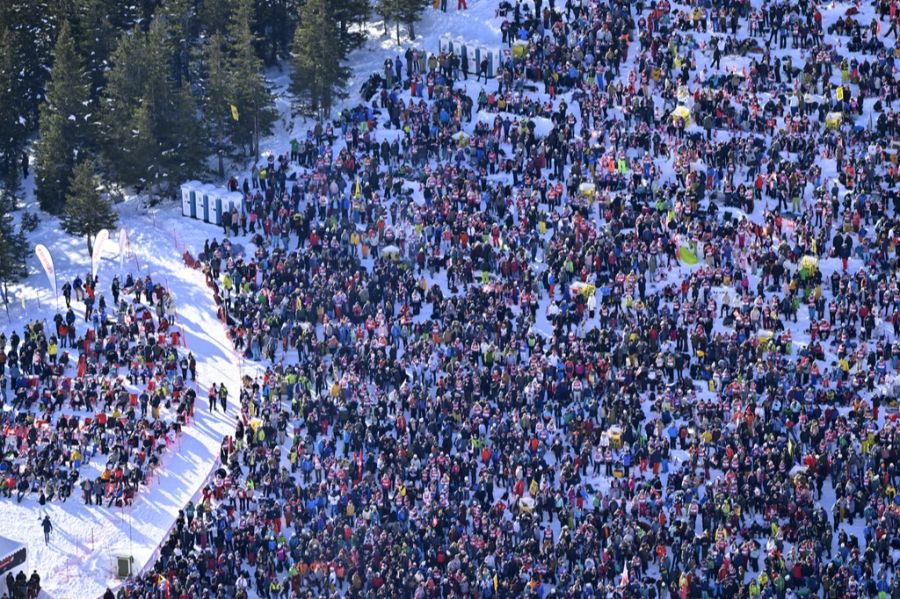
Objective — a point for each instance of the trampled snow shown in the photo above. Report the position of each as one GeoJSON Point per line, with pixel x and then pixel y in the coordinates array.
{"type": "Point", "coordinates": [79, 561]}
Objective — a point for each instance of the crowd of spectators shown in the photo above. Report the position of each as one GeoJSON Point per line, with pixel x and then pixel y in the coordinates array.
{"type": "Point", "coordinates": [104, 393]}
{"type": "Point", "coordinates": [624, 323]}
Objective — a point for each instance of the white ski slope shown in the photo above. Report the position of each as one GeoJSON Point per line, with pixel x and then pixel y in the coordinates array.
{"type": "Point", "coordinates": [79, 562]}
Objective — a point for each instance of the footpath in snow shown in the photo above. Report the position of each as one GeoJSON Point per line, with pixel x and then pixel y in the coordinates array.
{"type": "Point", "coordinates": [80, 560]}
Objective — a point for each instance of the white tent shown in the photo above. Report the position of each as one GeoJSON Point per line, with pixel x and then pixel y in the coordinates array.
{"type": "Point", "coordinates": [13, 559]}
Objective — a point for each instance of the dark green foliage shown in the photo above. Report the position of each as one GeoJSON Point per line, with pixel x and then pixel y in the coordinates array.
{"type": "Point", "coordinates": [346, 13]}
{"type": "Point", "coordinates": [95, 30]}
{"type": "Point", "coordinates": [217, 120]}
{"type": "Point", "coordinates": [273, 24]}
{"type": "Point", "coordinates": [407, 12]}
{"type": "Point", "coordinates": [247, 85]}
{"type": "Point", "coordinates": [146, 86]}
{"type": "Point", "coordinates": [87, 211]}
{"type": "Point", "coordinates": [318, 77]}
{"type": "Point", "coordinates": [13, 116]}
{"type": "Point", "coordinates": [151, 124]}
{"type": "Point", "coordinates": [215, 15]}
{"type": "Point", "coordinates": [64, 129]}
{"type": "Point", "coordinates": [14, 247]}
{"type": "Point", "coordinates": [28, 30]}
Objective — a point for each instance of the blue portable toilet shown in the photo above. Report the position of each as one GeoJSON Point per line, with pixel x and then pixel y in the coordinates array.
{"type": "Point", "coordinates": [233, 199]}
{"type": "Point", "coordinates": [189, 199]}
{"type": "Point", "coordinates": [203, 195]}
{"type": "Point", "coordinates": [217, 208]}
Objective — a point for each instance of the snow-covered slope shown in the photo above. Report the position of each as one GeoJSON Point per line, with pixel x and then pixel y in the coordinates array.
{"type": "Point", "coordinates": [79, 562]}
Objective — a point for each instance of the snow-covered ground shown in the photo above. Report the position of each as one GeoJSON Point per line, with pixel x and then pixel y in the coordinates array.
{"type": "Point", "coordinates": [79, 562]}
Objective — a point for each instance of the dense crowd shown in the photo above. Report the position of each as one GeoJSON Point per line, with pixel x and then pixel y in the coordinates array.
{"type": "Point", "coordinates": [624, 322]}
{"type": "Point", "coordinates": [105, 393]}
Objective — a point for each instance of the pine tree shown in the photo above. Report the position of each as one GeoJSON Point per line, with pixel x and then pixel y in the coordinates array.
{"type": "Point", "coordinates": [183, 152]}
{"type": "Point", "coordinates": [35, 25]}
{"type": "Point", "coordinates": [95, 36]}
{"type": "Point", "coordinates": [345, 13]}
{"type": "Point", "coordinates": [136, 164]}
{"type": "Point", "coordinates": [173, 113]}
{"type": "Point", "coordinates": [215, 15]}
{"type": "Point", "coordinates": [142, 12]}
{"type": "Point", "coordinates": [28, 30]}
{"type": "Point", "coordinates": [216, 92]}
{"type": "Point", "coordinates": [13, 248]}
{"type": "Point", "coordinates": [151, 124]}
{"type": "Point", "coordinates": [87, 211]}
{"type": "Point", "coordinates": [179, 17]}
{"type": "Point", "coordinates": [408, 12]}
{"type": "Point", "coordinates": [13, 122]}
{"type": "Point", "coordinates": [64, 130]}
{"type": "Point", "coordinates": [249, 93]}
{"type": "Point", "coordinates": [272, 25]}
{"type": "Point", "coordinates": [319, 77]}
{"type": "Point", "coordinates": [121, 99]}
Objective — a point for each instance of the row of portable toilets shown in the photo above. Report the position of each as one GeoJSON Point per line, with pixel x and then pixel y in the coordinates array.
{"type": "Point", "coordinates": [475, 53]}
{"type": "Point", "coordinates": [208, 202]}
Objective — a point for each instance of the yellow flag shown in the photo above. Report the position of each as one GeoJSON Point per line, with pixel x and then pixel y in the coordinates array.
{"type": "Point", "coordinates": [234, 112]}
{"type": "Point", "coordinates": [790, 447]}
{"type": "Point", "coordinates": [358, 191]}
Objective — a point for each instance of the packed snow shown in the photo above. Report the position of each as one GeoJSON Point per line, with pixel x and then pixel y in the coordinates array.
{"type": "Point", "coordinates": [79, 560]}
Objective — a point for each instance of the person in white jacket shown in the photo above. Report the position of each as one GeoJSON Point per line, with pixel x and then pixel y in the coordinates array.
{"type": "Point", "coordinates": [726, 305]}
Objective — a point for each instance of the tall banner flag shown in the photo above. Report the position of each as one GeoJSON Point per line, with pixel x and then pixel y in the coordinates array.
{"type": "Point", "coordinates": [43, 254]}
{"type": "Point", "coordinates": [99, 242]}
{"type": "Point", "coordinates": [123, 243]}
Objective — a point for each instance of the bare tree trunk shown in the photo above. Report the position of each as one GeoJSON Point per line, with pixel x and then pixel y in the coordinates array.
{"type": "Point", "coordinates": [6, 300]}
{"type": "Point", "coordinates": [256, 134]}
